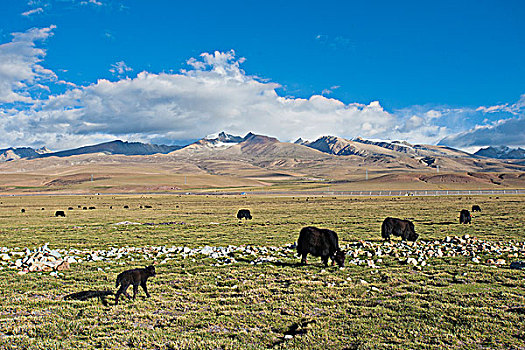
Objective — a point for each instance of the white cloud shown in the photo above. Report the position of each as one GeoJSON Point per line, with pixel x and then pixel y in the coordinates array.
{"type": "Point", "coordinates": [20, 68]}
{"type": "Point", "coordinates": [33, 12]}
{"type": "Point", "coordinates": [514, 109]}
{"type": "Point", "coordinates": [91, 2]}
{"type": "Point", "coordinates": [330, 90]}
{"type": "Point", "coordinates": [120, 68]}
{"type": "Point", "coordinates": [507, 132]}
{"type": "Point", "coordinates": [214, 94]}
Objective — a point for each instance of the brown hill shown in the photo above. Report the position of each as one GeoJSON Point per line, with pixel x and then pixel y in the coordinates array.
{"type": "Point", "coordinates": [257, 161]}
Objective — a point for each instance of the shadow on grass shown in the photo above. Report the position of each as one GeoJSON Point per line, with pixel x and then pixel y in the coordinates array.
{"type": "Point", "coordinates": [297, 328]}
{"type": "Point", "coordinates": [89, 294]}
{"type": "Point", "coordinates": [284, 264]}
{"type": "Point", "coordinates": [274, 263]}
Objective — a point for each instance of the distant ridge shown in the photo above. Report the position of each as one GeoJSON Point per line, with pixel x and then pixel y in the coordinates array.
{"type": "Point", "coordinates": [217, 141]}
{"type": "Point", "coordinates": [11, 153]}
{"type": "Point", "coordinates": [260, 151]}
{"type": "Point", "coordinates": [116, 147]}
{"type": "Point", "coordinates": [335, 145]}
{"type": "Point", "coordinates": [501, 152]}
{"type": "Point", "coordinates": [112, 147]}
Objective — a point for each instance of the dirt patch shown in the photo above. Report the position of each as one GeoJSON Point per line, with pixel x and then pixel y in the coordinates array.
{"type": "Point", "coordinates": [74, 180]}
{"type": "Point", "coordinates": [397, 178]}
{"type": "Point", "coordinates": [452, 178]}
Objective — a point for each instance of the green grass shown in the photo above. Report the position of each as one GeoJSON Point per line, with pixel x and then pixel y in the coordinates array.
{"type": "Point", "coordinates": [450, 303]}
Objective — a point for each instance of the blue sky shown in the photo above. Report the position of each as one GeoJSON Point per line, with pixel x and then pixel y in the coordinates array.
{"type": "Point", "coordinates": [448, 72]}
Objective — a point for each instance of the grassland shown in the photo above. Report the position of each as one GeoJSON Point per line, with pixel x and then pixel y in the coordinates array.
{"type": "Point", "coordinates": [450, 303]}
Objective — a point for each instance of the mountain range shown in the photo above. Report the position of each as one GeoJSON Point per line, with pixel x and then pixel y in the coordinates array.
{"type": "Point", "coordinates": [259, 145]}
{"type": "Point", "coordinates": [501, 152]}
{"type": "Point", "coordinates": [255, 161]}
{"type": "Point", "coordinates": [113, 147]}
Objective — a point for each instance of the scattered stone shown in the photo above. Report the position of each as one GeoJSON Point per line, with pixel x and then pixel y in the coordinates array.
{"type": "Point", "coordinates": [127, 223]}
{"type": "Point", "coordinates": [361, 253]}
{"type": "Point", "coordinates": [412, 261]}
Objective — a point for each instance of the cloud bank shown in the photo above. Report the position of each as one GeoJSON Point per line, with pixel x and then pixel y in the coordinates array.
{"type": "Point", "coordinates": [213, 94]}
{"type": "Point", "coordinates": [20, 68]}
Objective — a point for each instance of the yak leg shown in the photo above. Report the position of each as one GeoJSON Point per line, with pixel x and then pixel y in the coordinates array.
{"type": "Point", "coordinates": [143, 284]}
{"type": "Point", "coordinates": [303, 259]}
{"type": "Point", "coordinates": [325, 260]}
{"type": "Point", "coordinates": [135, 290]}
{"type": "Point", "coordinates": [121, 290]}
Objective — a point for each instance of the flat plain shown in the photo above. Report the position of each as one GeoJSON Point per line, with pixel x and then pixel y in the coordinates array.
{"type": "Point", "coordinates": [200, 303]}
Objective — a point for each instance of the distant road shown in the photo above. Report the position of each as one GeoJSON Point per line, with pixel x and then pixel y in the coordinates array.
{"type": "Point", "coordinates": [296, 193]}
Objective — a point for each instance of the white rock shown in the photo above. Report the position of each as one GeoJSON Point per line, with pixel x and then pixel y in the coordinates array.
{"type": "Point", "coordinates": [412, 261]}
{"type": "Point", "coordinates": [55, 254]}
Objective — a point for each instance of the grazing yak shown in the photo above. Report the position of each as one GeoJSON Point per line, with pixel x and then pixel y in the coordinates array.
{"type": "Point", "coordinates": [320, 242]}
{"type": "Point", "coordinates": [60, 213]}
{"type": "Point", "coordinates": [135, 277]}
{"type": "Point", "coordinates": [400, 228]}
{"type": "Point", "coordinates": [244, 214]}
{"type": "Point", "coordinates": [464, 217]}
{"type": "Point", "coordinates": [476, 207]}
{"type": "Point", "coordinates": [22, 210]}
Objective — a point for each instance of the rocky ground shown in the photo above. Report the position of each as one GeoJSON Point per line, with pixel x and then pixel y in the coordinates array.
{"type": "Point", "coordinates": [366, 253]}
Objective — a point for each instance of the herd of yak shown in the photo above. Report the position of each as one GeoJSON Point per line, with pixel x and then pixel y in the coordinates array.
{"type": "Point", "coordinates": [324, 243]}
{"type": "Point", "coordinates": [319, 242]}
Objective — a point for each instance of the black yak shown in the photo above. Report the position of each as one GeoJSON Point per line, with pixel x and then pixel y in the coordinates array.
{"type": "Point", "coordinates": [60, 213]}
{"type": "Point", "coordinates": [320, 242]}
{"type": "Point", "coordinates": [400, 228]}
{"type": "Point", "coordinates": [464, 217]}
{"type": "Point", "coordinates": [476, 207]}
{"type": "Point", "coordinates": [135, 277]}
{"type": "Point", "coordinates": [244, 214]}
